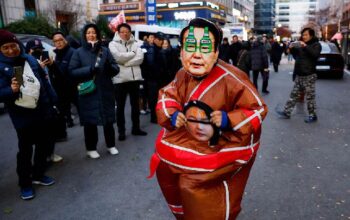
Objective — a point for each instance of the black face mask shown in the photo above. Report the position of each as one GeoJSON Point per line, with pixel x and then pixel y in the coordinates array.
{"type": "Point", "coordinates": [37, 53]}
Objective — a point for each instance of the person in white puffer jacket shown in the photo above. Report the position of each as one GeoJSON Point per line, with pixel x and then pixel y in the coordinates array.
{"type": "Point", "coordinates": [129, 57]}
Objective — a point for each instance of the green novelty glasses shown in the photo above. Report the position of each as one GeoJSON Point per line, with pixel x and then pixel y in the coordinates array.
{"type": "Point", "coordinates": [205, 44]}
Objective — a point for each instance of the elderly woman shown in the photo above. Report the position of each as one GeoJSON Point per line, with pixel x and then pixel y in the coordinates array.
{"type": "Point", "coordinates": [28, 95]}
{"type": "Point", "coordinates": [94, 63]}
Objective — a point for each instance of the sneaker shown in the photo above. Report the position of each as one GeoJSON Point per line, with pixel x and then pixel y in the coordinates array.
{"type": "Point", "coordinates": [56, 158]}
{"type": "Point", "coordinates": [143, 112]}
{"type": "Point", "coordinates": [27, 193]}
{"type": "Point", "coordinates": [139, 132]}
{"type": "Point", "coordinates": [44, 181]}
{"type": "Point", "coordinates": [310, 119]}
{"type": "Point", "coordinates": [93, 154]}
{"type": "Point", "coordinates": [122, 137]}
{"type": "Point", "coordinates": [282, 115]}
{"type": "Point", "coordinates": [113, 150]}
{"type": "Point", "coordinates": [266, 91]}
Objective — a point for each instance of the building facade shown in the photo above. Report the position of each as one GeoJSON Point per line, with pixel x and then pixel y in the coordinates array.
{"type": "Point", "coordinates": [264, 16]}
{"type": "Point", "coordinates": [294, 14]}
{"type": "Point", "coordinates": [59, 12]}
{"type": "Point", "coordinates": [170, 13]}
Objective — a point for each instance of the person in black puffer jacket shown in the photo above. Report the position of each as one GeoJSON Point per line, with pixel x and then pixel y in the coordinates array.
{"type": "Point", "coordinates": [260, 64]}
{"type": "Point", "coordinates": [93, 61]}
{"type": "Point", "coordinates": [306, 53]}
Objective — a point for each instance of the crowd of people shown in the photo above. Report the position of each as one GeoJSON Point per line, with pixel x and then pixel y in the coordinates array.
{"type": "Point", "coordinates": [254, 56]}
{"type": "Point", "coordinates": [93, 75]}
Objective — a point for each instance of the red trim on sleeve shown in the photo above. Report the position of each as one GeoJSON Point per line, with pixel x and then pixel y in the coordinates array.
{"type": "Point", "coordinates": [255, 122]}
{"type": "Point", "coordinates": [169, 104]}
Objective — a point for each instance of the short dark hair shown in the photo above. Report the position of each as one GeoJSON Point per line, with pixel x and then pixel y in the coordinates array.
{"type": "Point", "coordinates": [123, 25]}
{"type": "Point", "coordinates": [310, 30]}
{"type": "Point", "coordinates": [202, 23]}
{"type": "Point", "coordinates": [58, 32]}
{"type": "Point", "coordinates": [94, 26]}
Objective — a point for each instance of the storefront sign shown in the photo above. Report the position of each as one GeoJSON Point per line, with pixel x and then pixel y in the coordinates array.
{"type": "Point", "coordinates": [151, 12]}
{"type": "Point", "coordinates": [120, 6]}
{"type": "Point", "coordinates": [185, 15]}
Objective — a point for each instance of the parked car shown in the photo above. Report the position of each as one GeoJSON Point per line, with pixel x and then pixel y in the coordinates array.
{"type": "Point", "coordinates": [331, 62]}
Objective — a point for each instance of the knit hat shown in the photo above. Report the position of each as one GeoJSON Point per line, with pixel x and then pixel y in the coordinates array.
{"type": "Point", "coordinates": [7, 37]}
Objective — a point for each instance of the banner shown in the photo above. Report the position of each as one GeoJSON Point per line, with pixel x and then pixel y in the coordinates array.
{"type": "Point", "coordinates": [119, 19]}
{"type": "Point", "coordinates": [151, 12]}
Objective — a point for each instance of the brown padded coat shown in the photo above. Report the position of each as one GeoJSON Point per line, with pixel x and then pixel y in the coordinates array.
{"type": "Point", "coordinates": [201, 181]}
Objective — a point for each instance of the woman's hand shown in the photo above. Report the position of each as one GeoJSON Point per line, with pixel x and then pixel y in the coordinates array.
{"type": "Point", "coordinates": [14, 85]}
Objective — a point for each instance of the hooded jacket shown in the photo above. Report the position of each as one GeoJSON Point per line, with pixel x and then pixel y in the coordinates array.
{"type": "Point", "coordinates": [97, 108]}
{"type": "Point", "coordinates": [129, 57]}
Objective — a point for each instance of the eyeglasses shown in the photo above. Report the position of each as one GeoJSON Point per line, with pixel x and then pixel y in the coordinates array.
{"type": "Point", "coordinates": [205, 44]}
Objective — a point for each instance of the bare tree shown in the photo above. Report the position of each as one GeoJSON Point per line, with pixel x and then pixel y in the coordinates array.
{"type": "Point", "coordinates": [71, 12]}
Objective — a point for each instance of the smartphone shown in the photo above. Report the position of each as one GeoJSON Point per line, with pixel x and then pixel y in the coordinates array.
{"type": "Point", "coordinates": [44, 55]}
{"type": "Point", "coordinates": [296, 44]}
{"type": "Point", "coordinates": [18, 73]}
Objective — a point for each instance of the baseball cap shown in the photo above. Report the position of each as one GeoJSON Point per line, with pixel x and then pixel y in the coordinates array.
{"type": "Point", "coordinates": [34, 44]}
{"type": "Point", "coordinates": [160, 35]}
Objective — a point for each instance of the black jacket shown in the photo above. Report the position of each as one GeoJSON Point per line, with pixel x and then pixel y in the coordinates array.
{"type": "Point", "coordinates": [233, 52]}
{"type": "Point", "coordinates": [306, 57]}
{"type": "Point", "coordinates": [258, 56]}
{"type": "Point", "coordinates": [224, 51]}
{"type": "Point", "coordinates": [276, 52]}
{"type": "Point", "coordinates": [97, 108]}
{"type": "Point", "coordinates": [58, 72]}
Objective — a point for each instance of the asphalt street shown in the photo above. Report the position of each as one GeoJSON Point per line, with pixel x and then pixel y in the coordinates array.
{"type": "Point", "coordinates": [301, 172]}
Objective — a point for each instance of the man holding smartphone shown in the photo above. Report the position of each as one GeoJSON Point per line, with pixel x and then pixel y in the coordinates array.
{"type": "Point", "coordinates": [36, 49]}
{"type": "Point", "coordinates": [306, 52]}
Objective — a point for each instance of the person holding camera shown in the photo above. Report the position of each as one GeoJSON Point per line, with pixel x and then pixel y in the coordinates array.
{"type": "Point", "coordinates": [28, 95]}
{"type": "Point", "coordinates": [306, 52]}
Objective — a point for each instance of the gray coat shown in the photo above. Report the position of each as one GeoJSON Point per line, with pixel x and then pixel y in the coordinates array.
{"type": "Point", "coordinates": [97, 108]}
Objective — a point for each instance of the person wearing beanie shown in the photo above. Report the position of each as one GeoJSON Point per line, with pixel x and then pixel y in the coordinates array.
{"type": "Point", "coordinates": [30, 111]}
{"type": "Point", "coordinates": [94, 62]}
{"type": "Point", "coordinates": [211, 116]}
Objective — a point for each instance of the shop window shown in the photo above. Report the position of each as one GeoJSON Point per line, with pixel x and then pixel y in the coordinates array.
{"type": "Point", "coordinates": [29, 6]}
